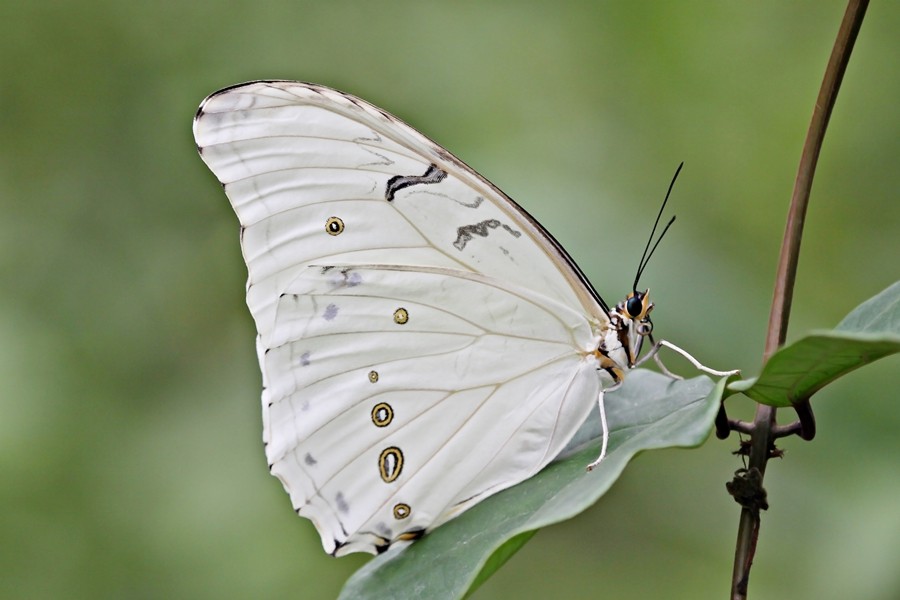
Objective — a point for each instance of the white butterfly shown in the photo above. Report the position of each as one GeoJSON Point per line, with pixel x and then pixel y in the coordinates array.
{"type": "Point", "coordinates": [424, 342]}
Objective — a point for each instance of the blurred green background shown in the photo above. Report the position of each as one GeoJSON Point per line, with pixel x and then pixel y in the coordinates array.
{"type": "Point", "coordinates": [131, 462]}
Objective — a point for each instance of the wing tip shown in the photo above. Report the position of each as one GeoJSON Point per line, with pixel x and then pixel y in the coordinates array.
{"type": "Point", "coordinates": [225, 90]}
{"type": "Point", "coordinates": [202, 109]}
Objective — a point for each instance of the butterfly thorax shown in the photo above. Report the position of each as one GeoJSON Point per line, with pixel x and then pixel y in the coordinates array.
{"type": "Point", "coordinates": [621, 340]}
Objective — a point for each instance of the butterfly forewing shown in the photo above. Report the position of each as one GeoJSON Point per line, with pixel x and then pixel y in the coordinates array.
{"type": "Point", "coordinates": [285, 152]}
{"type": "Point", "coordinates": [424, 343]}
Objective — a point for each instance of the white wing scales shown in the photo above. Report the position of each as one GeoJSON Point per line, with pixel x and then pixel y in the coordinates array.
{"type": "Point", "coordinates": [286, 152]}
{"type": "Point", "coordinates": [424, 343]}
{"type": "Point", "coordinates": [469, 352]}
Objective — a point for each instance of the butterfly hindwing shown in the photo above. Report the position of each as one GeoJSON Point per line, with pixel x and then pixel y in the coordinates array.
{"type": "Point", "coordinates": [381, 390]}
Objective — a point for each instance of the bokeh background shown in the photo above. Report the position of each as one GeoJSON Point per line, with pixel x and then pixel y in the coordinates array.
{"type": "Point", "coordinates": [131, 464]}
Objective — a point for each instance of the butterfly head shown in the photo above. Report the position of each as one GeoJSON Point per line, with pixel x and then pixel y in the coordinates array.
{"type": "Point", "coordinates": [633, 324]}
{"type": "Point", "coordinates": [630, 319]}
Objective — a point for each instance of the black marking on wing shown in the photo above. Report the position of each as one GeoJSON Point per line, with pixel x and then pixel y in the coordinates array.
{"type": "Point", "coordinates": [341, 503]}
{"type": "Point", "coordinates": [396, 183]}
{"type": "Point", "coordinates": [370, 143]}
{"type": "Point", "coordinates": [474, 204]}
{"type": "Point", "coordinates": [464, 234]}
{"type": "Point", "coordinates": [345, 278]}
{"type": "Point", "coordinates": [382, 548]}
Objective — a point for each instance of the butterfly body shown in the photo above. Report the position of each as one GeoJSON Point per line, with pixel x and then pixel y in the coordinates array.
{"type": "Point", "coordinates": [424, 342]}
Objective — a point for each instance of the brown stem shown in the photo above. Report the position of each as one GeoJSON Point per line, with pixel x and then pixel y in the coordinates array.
{"type": "Point", "coordinates": [764, 421]}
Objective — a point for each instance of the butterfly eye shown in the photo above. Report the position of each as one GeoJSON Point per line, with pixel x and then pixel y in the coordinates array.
{"type": "Point", "coordinates": [634, 306]}
{"type": "Point", "coordinates": [645, 327]}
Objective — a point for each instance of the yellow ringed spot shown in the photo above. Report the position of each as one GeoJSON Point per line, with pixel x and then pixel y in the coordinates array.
{"type": "Point", "coordinates": [401, 511]}
{"type": "Point", "coordinates": [401, 316]}
{"type": "Point", "coordinates": [390, 463]}
{"type": "Point", "coordinates": [334, 226]}
{"type": "Point", "coordinates": [373, 376]}
{"type": "Point", "coordinates": [382, 414]}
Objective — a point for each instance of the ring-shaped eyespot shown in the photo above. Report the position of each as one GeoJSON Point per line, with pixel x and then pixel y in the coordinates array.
{"type": "Point", "coordinates": [401, 316]}
{"type": "Point", "coordinates": [382, 414]}
{"type": "Point", "coordinates": [401, 511]}
{"type": "Point", "coordinates": [334, 226]}
{"type": "Point", "coordinates": [634, 306]}
{"type": "Point", "coordinates": [645, 327]}
{"type": "Point", "coordinates": [390, 464]}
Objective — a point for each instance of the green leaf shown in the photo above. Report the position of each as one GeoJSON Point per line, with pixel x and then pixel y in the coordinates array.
{"type": "Point", "coordinates": [499, 558]}
{"type": "Point", "coordinates": [799, 370]}
{"type": "Point", "coordinates": [878, 314]}
{"type": "Point", "coordinates": [650, 411]}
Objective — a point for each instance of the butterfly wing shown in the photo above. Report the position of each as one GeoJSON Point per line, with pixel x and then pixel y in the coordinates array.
{"type": "Point", "coordinates": [348, 219]}
{"type": "Point", "coordinates": [400, 396]}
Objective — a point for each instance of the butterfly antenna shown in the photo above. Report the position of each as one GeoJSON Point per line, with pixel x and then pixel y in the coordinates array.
{"type": "Point", "coordinates": [648, 250]}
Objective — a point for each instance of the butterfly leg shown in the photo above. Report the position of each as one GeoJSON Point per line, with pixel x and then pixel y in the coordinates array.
{"type": "Point", "coordinates": [665, 370]}
{"type": "Point", "coordinates": [603, 424]}
{"type": "Point", "coordinates": [654, 352]}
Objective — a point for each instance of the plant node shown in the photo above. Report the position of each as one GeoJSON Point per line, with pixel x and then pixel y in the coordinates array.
{"type": "Point", "coordinates": [747, 490]}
